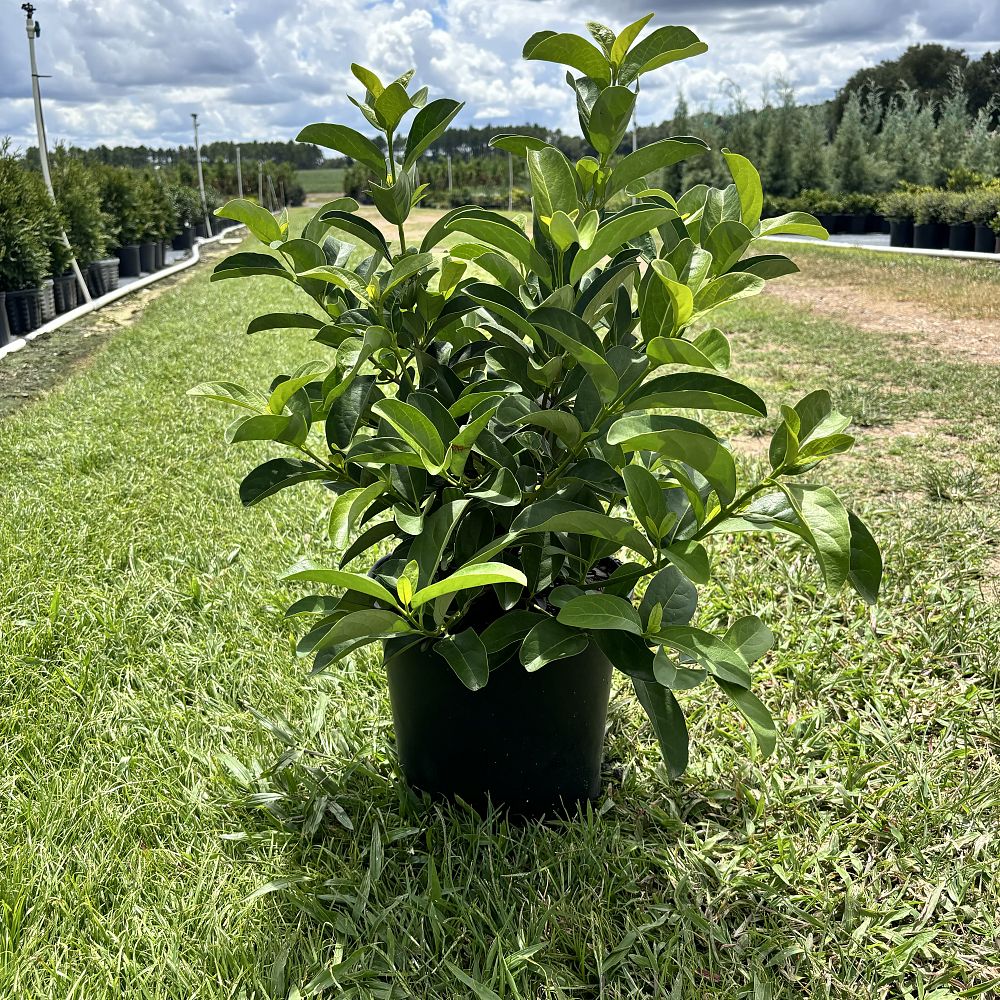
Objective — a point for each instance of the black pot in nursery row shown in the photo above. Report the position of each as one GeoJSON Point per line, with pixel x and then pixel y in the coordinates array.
{"type": "Point", "coordinates": [901, 232]}
{"type": "Point", "coordinates": [129, 261]}
{"type": "Point", "coordinates": [24, 311]}
{"type": "Point", "coordinates": [67, 293]}
{"type": "Point", "coordinates": [985, 240]}
{"type": "Point", "coordinates": [147, 257]}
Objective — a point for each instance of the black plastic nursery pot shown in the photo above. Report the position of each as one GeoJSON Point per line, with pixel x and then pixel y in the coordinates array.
{"type": "Point", "coordinates": [102, 276]}
{"type": "Point", "coordinates": [24, 311]}
{"type": "Point", "coordinates": [985, 240]}
{"type": "Point", "coordinates": [147, 257]}
{"type": "Point", "coordinates": [961, 236]}
{"type": "Point", "coordinates": [901, 232]}
{"type": "Point", "coordinates": [47, 301]}
{"type": "Point", "coordinates": [874, 223]}
{"type": "Point", "coordinates": [530, 743]}
{"type": "Point", "coordinates": [160, 257]}
{"type": "Point", "coordinates": [184, 240]}
{"type": "Point", "coordinates": [201, 231]}
{"type": "Point", "coordinates": [129, 264]}
{"type": "Point", "coordinates": [66, 293]}
{"type": "Point", "coordinates": [4, 325]}
{"type": "Point", "coordinates": [930, 235]}
{"type": "Point", "coordinates": [857, 224]}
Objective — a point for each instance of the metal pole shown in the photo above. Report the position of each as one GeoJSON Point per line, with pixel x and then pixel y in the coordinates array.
{"type": "Point", "coordinates": [260, 183]}
{"type": "Point", "coordinates": [510, 182]}
{"type": "Point", "coordinates": [43, 153]}
{"type": "Point", "coordinates": [239, 171]}
{"type": "Point", "coordinates": [281, 192]}
{"type": "Point", "coordinates": [201, 176]}
{"type": "Point", "coordinates": [274, 194]}
{"type": "Point", "coordinates": [449, 171]}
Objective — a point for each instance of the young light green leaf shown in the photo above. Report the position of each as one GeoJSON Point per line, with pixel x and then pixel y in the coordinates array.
{"type": "Point", "coordinates": [550, 640]}
{"type": "Point", "coordinates": [467, 577]}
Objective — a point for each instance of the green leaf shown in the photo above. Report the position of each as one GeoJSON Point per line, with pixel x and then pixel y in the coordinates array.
{"type": "Point", "coordinates": [727, 288]}
{"type": "Point", "coordinates": [700, 391]}
{"type": "Point", "coordinates": [582, 344]}
{"type": "Point", "coordinates": [660, 47]}
{"type": "Point", "coordinates": [278, 474]}
{"type": "Point", "coordinates": [668, 724]}
{"type": "Point", "coordinates": [428, 125]}
{"type": "Point", "coordinates": [793, 224]}
{"type": "Point", "coordinates": [865, 574]}
{"type": "Point", "coordinates": [348, 509]}
{"type": "Point", "coordinates": [756, 714]}
{"type": "Point", "coordinates": [347, 411]}
{"type": "Point", "coordinates": [727, 242]}
{"type": "Point", "coordinates": [713, 653]}
{"type": "Point", "coordinates": [750, 637]}
{"type": "Point", "coordinates": [466, 655]}
{"type": "Point", "coordinates": [467, 577]}
{"type": "Point", "coordinates": [517, 145]}
{"type": "Point", "coordinates": [371, 82]}
{"type": "Point", "coordinates": [570, 50]}
{"type": "Point", "coordinates": [285, 321]}
{"type": "Point", "coordinates": [428, 547]}
{"type": "Point", "coordinates": [348, 142]}
{"type": "Point", "coordinates": [360, 229]}
{"type": "Point", "coordinates": [340, 277]}
{"type": "Point", "coordinates": [653, 157]}
{"type": "Point", "coordinates": [550, 640]}
{"type": "Point", "coordinates": [675, 594]}
{"type": "Point", "coordinates": [828, 528]}
{"type": "Point", "coordinates": [710, 349]}
{"type": "Point", "coordinates": [536, 519]}
{"type": "Point", "coordinates": [508, 629]}
{"type": "Point", "coordinates": [615, 231]}
{"type": "Point", "coordinates": [498, 232]}
{"type": "Point", "coordinates": [232, 393]}
{"type": "Point", "coordinates": [406, 267]}
{"type": "Point", "coordinates": [306, 572]}
{"type": "Point", "coordinates": [288, 428]}
{"type": "Point", "coordinates": [553, 182]}
{"type": "Point", "coordinates": [302, 376]}
{"type": "Point", "coordinates": [748, 185]}
{"type": "Point", "coordinates": [241, 265]}
{"type": "Point", "coordinates": [601, 611]}
{"type": "Point", "coordinates": [767, 266]}
{"type": "Point", "coordinates": [369, 625]}
{"type": "Point", "coordinates": [645, 494]}
{"type": "Point", "coordinates": [626, 37]}
{"type": "Point", "coordinates": [258, 220]}
{"type": "Point", "coordinates": [674, 438]}
{"type": "Point", "coordinates": [560, 422]}
{"type": "Point", "coordinates": [609, 118]}
{"type": "Point", "coordinates": [391, 105]}
{"type": "Point", "coordinates": [691, 558]}
{"type": "Point", "coordinates": [414, 427]}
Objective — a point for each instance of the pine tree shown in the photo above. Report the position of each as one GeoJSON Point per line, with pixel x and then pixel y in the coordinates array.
{"type": "Point", "coordinates": [809, 160]}
{"type": "Point", "coordinates": [982, 147]}
{"type": "Point", "coordinates": [673, 177]}
{"type": "Point", "coordinates": [952, 132]}
{"type": "Point", "coordinates": [850, 162]}
{"type": "Point", "coordinates": [777, 165]}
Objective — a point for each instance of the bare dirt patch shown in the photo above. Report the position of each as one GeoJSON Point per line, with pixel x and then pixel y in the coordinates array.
{"type": "Point", "coordinates": [975, 340]}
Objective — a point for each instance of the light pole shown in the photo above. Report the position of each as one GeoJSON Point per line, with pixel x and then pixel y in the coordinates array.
{"type": "Point", "coordinates": [239, 171]}
{"type": "Point", "coordinates": [201, 176]}
{"type": "Point", "coordinates": [43, 154]}
{"type": "Point", "coordinates": [260, 183]}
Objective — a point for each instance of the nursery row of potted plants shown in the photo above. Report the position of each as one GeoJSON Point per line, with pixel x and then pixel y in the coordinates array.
{"type": "Point", "coordinates": [925, 218]}
{"type": "Point", "coordinates": [119, 223]}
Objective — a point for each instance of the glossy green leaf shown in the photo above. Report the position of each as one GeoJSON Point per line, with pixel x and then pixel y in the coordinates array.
{"type": "Point", "coordinates": [667, 719]}
{"type": "Point", "coordinates": [258, 220]}
{"type": "Point", "coordinates": [660, 47]}
{"type": "Point", "coordinates": [467, 577]}
{"type": "Point", "coordinates": [865, 574]}
{"type": "Point", "coordinates": [793, 224]}
{"type": "Point", "coordinates": [609, 118]}
{"type": "Point", "coordinates": [551, 640]}
{"type": "Point", "coordinates": [601, 611]}
{"type": "Point", "coordinates": [278, 474]}
{"type": "Point", "coordinates": [428, 125]}
{"type": "Point", "coordinates": [756, 714]}
{"type": "Point", "coordinates": [615, 231]}
{"type": "Point", "coordinates": [570, 50]}
{"type": "Point", "coordinates": [348, 142]}
{"type": "Point", "coordinates": [466, 655]}
{"type": "Point", "coordinates": [710, 349]}
{"type": "Point", "coordinates": [553, 183]}
{"type": "Point", "coordinates": [306, 572]}
{"type": "Point", "coordinates": [713, 653]}
{"type": "Point", "coordinates": [649, 159]}
{"type": "Point", "coordinates": [414, 427]}
{"type": "Point", "coordinates": [697, 390]}
{"type": "Point", "coordinates": [748, 185]}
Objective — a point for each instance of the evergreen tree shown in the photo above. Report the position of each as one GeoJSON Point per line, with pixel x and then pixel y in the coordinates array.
{"type": "Point", "coordinates": [982, 147]}
{"type": "Point", "coordinates": [809, 160]}
{"type": "Point", "coordinates": [777, 168]}
{"type": "Point", "coordinates": [850, 162]}
{"type": "Point", "coordinates": [952, 132]}
{"type": "Point", "coordinates": [680, 124]}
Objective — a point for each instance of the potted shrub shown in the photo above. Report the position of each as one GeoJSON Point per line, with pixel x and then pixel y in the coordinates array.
{"type": "Point", "coordinates": [29, 226]}
{"type": "Point", "coordinates": [981, 208]}
{"type": "Point", "coordinates": [518, 445]}
{"type": "Point", "coordinates": [187, 208]}
{"type": "Point", "coordinates": [78, 194]}
{"type": "Point", "coordinates": [930, 232]}
{"type": "Point", "coordinates": [897, 207]}
{"type": "Point", "coordinates": [121, 202]}
{"type": "Point", "coordinates": [961, 230]}
{"type": "Point", "coordinates": [157, 219]}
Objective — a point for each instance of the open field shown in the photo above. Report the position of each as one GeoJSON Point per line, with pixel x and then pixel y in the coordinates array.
{"type": "Point", "coordinates": [142, 642]}
{"type": "Point", "coordinates": [325, 180]}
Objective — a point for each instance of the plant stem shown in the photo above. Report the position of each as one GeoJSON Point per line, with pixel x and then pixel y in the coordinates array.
{"type": "Point", "coordinates": [402, 238]}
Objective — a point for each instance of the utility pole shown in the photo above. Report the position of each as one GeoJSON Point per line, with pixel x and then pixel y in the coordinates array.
{"type": "Point", "coordinates": [260, 183]}
{"type": "Point", "coordinates": [43, 154]}
{"type": "Point", "coordinates": [510, 182]}
{"type": "Point", "coordinates": [239, 171]}
{"type": "Point", "coordinates": [274, 194]}
{"type": "Point", "coordinates": [635, 125]}
{"type": "Point", "coordinates": [449, 171]}
{"type": "Point", "coordinates": [201, 176]}
{"type": "Point", "coordinates": [281, 192]}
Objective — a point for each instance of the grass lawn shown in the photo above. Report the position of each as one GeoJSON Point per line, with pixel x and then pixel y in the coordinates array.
{"type": "Point", "coordinates": [187, 815]}
{"type": "Point", "coordinates": [323, 180]}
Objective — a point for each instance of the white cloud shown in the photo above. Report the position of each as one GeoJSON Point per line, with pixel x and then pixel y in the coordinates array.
{"type": "Point", "coordinates": [131, 72]}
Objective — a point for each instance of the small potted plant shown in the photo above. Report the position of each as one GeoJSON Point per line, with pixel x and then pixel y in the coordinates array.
{"type": "Point", "coordinates": [522, 497]}
{"type": "Point", "coordinates": [121, 202]}
{"type": "Point", "coordinates": [897, 207]}
{"type": "Point", "coordinates": [961, 228]}
{"type": "Point", "coordinates": [981, 208]}
{"type": "Point", "coordinates": [930, 231]}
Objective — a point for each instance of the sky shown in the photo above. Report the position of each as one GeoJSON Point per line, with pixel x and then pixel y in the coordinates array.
{"type": "Point", "coordinates": [131, 72]}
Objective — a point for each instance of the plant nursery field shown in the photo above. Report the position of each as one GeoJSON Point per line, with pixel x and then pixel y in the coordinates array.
{"type": "Point", "coordinates": [150, 848]}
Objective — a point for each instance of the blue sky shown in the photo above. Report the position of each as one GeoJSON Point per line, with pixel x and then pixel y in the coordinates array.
{"type": "Point", "coordinates": [131, 72]}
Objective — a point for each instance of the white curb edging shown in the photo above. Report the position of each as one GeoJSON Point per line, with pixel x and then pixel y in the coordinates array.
{"type": "Point", "coordinates": [17, 343]}
{"type": "Point", "coordinates": [876, 248]}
